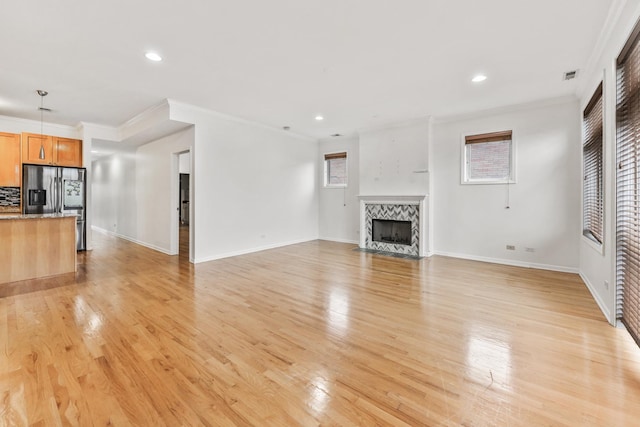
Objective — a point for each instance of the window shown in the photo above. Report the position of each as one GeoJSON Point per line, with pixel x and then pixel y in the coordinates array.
{"type": "Point", "coordinates": [335, 170]}
{"type": "Point", "coordinates": [592, 191]}
{"type": "Point", "coordinates": [488, 158]}
{"type": "Point", "coordinates": [627, 191]}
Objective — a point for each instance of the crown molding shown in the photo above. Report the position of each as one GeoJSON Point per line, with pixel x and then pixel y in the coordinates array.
{"type": "Point", "coordinates": [188, 108]}
{"type": "Point", "coordinates": [610, 24]}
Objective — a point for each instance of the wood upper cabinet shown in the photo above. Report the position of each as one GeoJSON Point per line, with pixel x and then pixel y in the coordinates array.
{"type": "Point", "coordinates": [67, 152]}
{"type": "Point", "coordinates": [10, 160]}
{"type": "Point", "coordinates": [57, 150]}
{"type": "Point", "coordinates": [31, 143]}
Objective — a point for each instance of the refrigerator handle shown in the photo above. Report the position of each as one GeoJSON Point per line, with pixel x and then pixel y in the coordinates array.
{"type": "Point", "coordinates": [60, 194]}
{"type": "Point", "coordinates": [52, 192]}
{"type": "Point", "coordinates": [57, 195]}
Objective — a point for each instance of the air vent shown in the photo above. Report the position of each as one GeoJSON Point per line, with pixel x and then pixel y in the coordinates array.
{"type": "Point", "coordinates": [570, 75]}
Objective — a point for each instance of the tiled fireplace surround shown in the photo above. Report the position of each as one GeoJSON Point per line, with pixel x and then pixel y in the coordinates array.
{"type": "Point", "coordinates": [399, 208]}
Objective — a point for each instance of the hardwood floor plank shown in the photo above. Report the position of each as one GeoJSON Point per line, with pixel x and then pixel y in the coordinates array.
{"type": "Point", "coordinates": [139, 411]}
{"type": "Point", "coordinates": [12, 399]}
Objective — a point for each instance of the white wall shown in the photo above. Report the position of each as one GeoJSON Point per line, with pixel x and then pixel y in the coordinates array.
{"type": "Point", "coordinates": [471, 221]}
{"type": "Point", "coordinates": [184, 163]}
{"type": "Point", "coordinates": [391, 159]}
{"type": "Point", "coordinates": [339, 207]}
{"type": "Point", "coordinates": [597, 264]}
{"type": "Point", "coordinates": [157, 189]}
{"type": "Point", "coordinates": [113, 194]}
{"type": "Point", "coordinates": [253, 187]}
{"type": "Point", "coordinates": [132, 191]}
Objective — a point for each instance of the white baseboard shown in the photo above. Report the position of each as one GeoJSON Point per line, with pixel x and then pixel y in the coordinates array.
{"type": "Point", "coordinates": [596, 296]}
{"type": "Point", "coordinates": [511, 262]}
{"type": "Point", "coordinates": [131, 239]}
{"type": "Point", "coordinates": [339, 240]}
{"type": "Point", "coordinates": [251, 250]}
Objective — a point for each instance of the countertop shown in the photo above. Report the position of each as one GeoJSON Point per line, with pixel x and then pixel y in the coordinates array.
{"type": "Point", "coordinates": [35, 216]}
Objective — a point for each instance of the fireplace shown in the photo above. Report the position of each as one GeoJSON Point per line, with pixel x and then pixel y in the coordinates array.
{"type": "Point", "coordinates": [396, 224]}
{"type": "Point", "coordinates": [391, 231]}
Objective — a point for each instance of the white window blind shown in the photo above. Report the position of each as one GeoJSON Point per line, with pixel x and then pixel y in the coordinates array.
{"type": "Point", "coordinates": [592, 187]}
{"type": "Point", "coordinates": [627, 194]}
{"type": "Point", "coordinates": [488, 157]}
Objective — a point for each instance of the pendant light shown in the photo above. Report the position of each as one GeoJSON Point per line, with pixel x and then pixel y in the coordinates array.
{"type": "Point", "coordinates": [42, 94]}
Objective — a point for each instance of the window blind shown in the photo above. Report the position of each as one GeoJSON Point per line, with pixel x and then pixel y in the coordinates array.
{"type": "Point", "coordinates": [335, 156]}
{"type": "Point", "coordinates": [592, 188]}
{"type": "Point", "coordinates": [628, 196]}
{"type": "Point", "coordinates": [488, 156]}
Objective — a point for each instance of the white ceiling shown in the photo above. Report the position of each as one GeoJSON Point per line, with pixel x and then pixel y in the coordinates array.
{"type": "Point", "coordinates": [359, 63]}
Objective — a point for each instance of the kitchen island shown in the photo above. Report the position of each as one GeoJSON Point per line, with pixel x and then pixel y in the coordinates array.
{"type": "Point", "coordinates": [34, 246]}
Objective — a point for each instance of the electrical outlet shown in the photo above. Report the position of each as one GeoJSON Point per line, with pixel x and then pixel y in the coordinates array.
{"type": "Point", "coordinates": [511, 248]}
{"type": "Point", "coordinates": [606, 284]}
{"type": "Point", "coordinates": [529, 249]}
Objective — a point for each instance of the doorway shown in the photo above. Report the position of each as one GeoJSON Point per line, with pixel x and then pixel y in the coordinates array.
{"type": "Point", "coordinates": [184, 211]}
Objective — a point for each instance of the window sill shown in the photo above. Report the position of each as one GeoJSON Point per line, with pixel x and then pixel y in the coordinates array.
{"type": "Point", "coordinates": [594, 244]}
{"type": "Point", "coordinates": [488, 182]}
{"type": "Point", "coordinates": [335, 186]}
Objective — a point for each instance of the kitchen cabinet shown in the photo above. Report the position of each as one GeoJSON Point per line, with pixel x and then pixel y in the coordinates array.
{"type": "Point", "coordinates": [31, 144]}
{"type": "Point", "coordinates": [35, 246]}
{"type": "Point", "coordinates": [9, 160]}
{"type": "Point", "coordinates": [57, 150]}
{"type": "Point", "coordinates": [67, 152]}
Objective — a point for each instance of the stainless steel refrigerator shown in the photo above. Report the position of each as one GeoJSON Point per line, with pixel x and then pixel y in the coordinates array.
{"type": "Point", "coordinates": [53, 189]}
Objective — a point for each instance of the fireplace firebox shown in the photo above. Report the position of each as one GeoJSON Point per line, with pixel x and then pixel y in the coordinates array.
{"type": "Point", "coordinates": [391, 231]}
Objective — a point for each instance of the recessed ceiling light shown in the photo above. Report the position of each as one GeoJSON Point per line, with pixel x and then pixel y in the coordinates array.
{"type": "Point", "coordinates": [479, 78]}
{"type": "Point", "coordinates": [319, 118]}
{"type": "Point", "coordinates": [152, 56]}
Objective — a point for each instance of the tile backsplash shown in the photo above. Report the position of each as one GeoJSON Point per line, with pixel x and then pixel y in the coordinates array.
{"type": "Point", "coordinates": [10, 196]}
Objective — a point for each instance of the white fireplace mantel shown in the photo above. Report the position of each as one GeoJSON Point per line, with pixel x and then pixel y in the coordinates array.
{"type": "Point", "coordinates": [396, 199]}
{"type": "Point", "coordinates": [420, 200]}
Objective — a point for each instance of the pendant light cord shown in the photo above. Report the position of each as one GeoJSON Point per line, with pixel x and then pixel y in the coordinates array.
{"type": "Point", "coordinates": [42, 94]}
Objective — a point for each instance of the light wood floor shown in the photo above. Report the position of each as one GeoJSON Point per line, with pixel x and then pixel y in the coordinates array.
{"type": "Point", "coordinates": [183, 244]}
{"type": "Point", "coordinates": [310, 334]}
